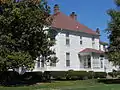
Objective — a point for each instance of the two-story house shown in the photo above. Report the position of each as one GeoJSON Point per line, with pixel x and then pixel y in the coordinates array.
{"type": "Point", "coordinates": [77, 46]}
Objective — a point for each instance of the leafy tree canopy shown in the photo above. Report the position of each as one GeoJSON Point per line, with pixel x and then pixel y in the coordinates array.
{"type": "Point", "coordinates": [114, 34]}
{"type": "Point", "coordinates": [22, 37]}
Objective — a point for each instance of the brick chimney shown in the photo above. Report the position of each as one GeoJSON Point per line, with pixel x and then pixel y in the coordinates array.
{"type": "Point", "coordinates": [98, 31]}
{"type": "Point", "coordinates": [56, 8]}
{"type": "Point", "coordinates": [73, 16]}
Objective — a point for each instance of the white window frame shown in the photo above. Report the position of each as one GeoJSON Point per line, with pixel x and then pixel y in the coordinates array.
{"type": "Point", "coordinates": [67, 59]}
{"type": "Point", "coordinates": [81, 42]}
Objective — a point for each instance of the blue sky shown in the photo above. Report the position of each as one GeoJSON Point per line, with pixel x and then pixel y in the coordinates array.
{"type": "Point", "coordinates": [91, 13]}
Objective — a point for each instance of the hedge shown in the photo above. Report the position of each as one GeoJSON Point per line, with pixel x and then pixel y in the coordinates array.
{"type": "Point", "coordinates": [74, 75]}
{"type": "Point", "coordinates": [114, 74]}
{"type": "Point", "coordinates": [32, 76]}
{"type": "Point", "coordinates": [100, 74]}
{"type": "Point", "coordinates": [77, 75]}
{"type": "Point", "coordinates": [58, 74]}
{"type": "Point", "coordinates": [91, 74]}
{"type": "Point", "coordinates": [109, 81]}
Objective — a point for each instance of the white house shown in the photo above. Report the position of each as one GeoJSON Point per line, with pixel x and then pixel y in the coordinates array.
{"type": "Point", "coordinates": [77, 46]}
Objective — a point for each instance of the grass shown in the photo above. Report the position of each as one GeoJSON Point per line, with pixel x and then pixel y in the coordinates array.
{"type": "Point", "coordinates": [67, 85]}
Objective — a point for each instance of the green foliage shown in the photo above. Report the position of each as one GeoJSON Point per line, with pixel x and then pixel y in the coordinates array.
{"type": "Point", "coordinates": [58, 74]}
{"type": "Point", "coordinates": [77, 75]}
{"type": "Point", "coordinates": [114, 74]}
{"type": "Point", "coordinates": [109, 81]}
{"type": "Point", "coordinates": [100, 74]}
{"type": "Point", "coordinates": [9, 76]}
{"type": "Point", "coordinates": [32, 76]}
{"type": "Point", "coordinates": [91, 74]}
{"type": "Point", "coordinates": [114, 35]}
{"type": "Point", "coordinates": [22, 38]}
{"type": "Point", "coordinates": [117, 2]}
{"type": "Point", "coordinates": [69, 75]}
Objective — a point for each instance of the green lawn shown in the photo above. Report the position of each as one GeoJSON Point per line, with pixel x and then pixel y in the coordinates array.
{"type": "Point", "coordinates": [67, 85]}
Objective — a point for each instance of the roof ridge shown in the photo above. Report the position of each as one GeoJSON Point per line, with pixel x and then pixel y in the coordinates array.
{"type": "Point", "coordinates": [64, 21]}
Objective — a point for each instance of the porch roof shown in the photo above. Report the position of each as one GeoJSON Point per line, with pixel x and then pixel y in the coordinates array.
{"type": "Point", "coordinates": [88, 50]}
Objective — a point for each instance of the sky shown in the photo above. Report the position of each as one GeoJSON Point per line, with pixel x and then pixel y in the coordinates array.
{"type": "Point", "coordinates": [92, 13]}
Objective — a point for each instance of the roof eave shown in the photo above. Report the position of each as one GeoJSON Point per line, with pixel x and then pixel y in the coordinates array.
{"type": "Point", "coordinates": [76, 31]}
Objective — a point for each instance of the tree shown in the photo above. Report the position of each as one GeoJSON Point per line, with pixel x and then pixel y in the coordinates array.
{"type": "Point", "coordinates": [114, 34]}
{"type": "Point", "coordinates": [22, 37]}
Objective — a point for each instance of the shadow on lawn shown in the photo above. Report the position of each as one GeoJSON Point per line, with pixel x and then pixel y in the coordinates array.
{"type": "Point", "coordinates": [15, 79]}
{"type": "Point", "coordinates": [109, 81]}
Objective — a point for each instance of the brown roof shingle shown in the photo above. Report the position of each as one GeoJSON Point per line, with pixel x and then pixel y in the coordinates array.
{"type": "Point", "coordinates": [63, 21]}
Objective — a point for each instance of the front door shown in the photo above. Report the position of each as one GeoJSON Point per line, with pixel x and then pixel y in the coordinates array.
{"type": "Point", "coordinates": [87, 61]}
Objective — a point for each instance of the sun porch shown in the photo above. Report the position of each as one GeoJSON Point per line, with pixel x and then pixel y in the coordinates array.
{"type": "Point", "coordinates": [92, 60]}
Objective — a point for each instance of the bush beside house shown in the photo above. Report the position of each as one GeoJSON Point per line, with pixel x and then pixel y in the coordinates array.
{"type": "Point", "coordinates": [51, 75]}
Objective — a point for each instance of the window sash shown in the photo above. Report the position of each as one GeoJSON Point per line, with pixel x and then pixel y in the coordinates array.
{"type": "Point", "coordinates": [67, 41]}
{"type": "Point", "coordinates": [67, 34]}
{"type": "Point", "coordinates": [67, 59]}
{"type": "Point", "coordinates": [67, 63]}
{"type": "Point", "coordinates": [67, 56]}
{"type": "Point", "coordinates": [38, 64]}
{"type": "Point", "coordinates": [81, 42]}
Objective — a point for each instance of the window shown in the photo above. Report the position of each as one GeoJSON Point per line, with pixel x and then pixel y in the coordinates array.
{"type": "Point", "coordinates": [96, 62]}
{"type": "Point", "coordinates": [93, 42]}
{"type": "Point", "coordinates": [80, 37]}
{"type": "Point", "coordinates": [85, 64]}
{"type": "Point", "coordinates": [80, 40]}
{"type": "Point", "coordinates": [67, 35]}
{"type": "Point", "coordinates": [42, 63]}
{"type": "Point", "coordinates": [105, 48]}
{"type": "Point", "coordinates": [99, 47]}
{"type": "Point", "coordinates": [93, 39]}
{"type": "Point", "coordinates": [67, 59]}
{"type": "Point", "coordinates": [101, 60]}
{"type": "Point", "coordinates": [67, 41]}
{"type": "Point", "coordinates": [89, 62]}
{"type": "Point", "coordinates": [38, 62]}
{"type": "Point", "coordinates": [101, 64]}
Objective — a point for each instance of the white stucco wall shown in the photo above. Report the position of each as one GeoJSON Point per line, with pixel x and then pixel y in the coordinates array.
{"type": "Point", "coordinates": [74, 48]}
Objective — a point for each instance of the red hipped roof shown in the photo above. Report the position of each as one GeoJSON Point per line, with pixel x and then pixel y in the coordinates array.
{"type": "Point", "coordinates": [62, 21]}
{"type": "Point", "coordinates": [87, 50]}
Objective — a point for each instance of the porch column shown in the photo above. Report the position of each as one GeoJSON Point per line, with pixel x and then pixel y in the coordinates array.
{"type": "Point", "coordinates": [91, 62]}
{"type": "Point", "coordinates": [103, 63]}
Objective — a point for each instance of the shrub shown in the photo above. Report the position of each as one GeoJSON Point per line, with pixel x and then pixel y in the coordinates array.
{"type": "Point", "coordinates": [114, 74]}
{"type": "Point", "coordinates": [111, 74]}
{"type": "Point", "coordinates": [91, 74]}
{"type": "Point", "coordinates": [9, 76]}
{"type": "Point", "coordinates": [58, 74]}
{"type": "Point", "coordinates": [77, 75]}
{"type": "Point", "coordinates": [100, 74]}
{"type": "Point", "coordinates": [32, 76]}
{"type": "Point", "coordinates": [109, 81]}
